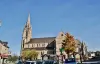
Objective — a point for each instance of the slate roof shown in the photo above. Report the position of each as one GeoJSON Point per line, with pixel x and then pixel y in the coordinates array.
{"type": "Point", "coordinates": [42, 40]}
{"type": "Point", "coordinates": [4, 43]}
{"type": "Point", "coordinates": [39, 48]}
{"type": "Point", "coordinates": [77, 41]}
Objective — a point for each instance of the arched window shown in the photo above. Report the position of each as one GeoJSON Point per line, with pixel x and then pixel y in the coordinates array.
{"type": "Point", "coordinates": [37, 45]}
{"type": "Point", "coordinates": [32, 45]}
{"type": "Point", "coordinates": [43, 45]}
{"type": "Point", "coordinates": [28, 46]}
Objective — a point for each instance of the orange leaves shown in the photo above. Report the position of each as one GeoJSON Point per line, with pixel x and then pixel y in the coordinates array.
{"type": "Point", "coordinates": [69, 45]}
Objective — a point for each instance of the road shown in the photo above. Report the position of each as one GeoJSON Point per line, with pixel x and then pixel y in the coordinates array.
{"type": "Point", "coordinates": [95, 60]}
{"type": "Point", "coordinates": [92, 62]}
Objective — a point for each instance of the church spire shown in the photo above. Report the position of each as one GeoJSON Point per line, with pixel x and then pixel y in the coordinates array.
{"type": "Point", "coordinates": [28, 23]}
{"type": "Point", "coordinates": [28, 19]}
{"type": "Point", "coordinates": [27, 33]}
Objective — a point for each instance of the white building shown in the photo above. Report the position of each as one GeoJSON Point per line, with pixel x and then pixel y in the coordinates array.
{"type": "Point", "coordinates": [4, 51]}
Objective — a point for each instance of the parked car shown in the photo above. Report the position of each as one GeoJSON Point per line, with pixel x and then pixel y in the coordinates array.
{"type": "Point", "coordinates": [39, 62]}
{"type": "Point", "coordinates": [70, 61]}
{"type": "Point", "coordinates": [49, 62]}
{"type": "Point", "coordinates": [30, 62]}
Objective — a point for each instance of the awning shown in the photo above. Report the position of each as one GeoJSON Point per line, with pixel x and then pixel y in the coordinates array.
{"type": "Point", "coordinates": [4, 55]}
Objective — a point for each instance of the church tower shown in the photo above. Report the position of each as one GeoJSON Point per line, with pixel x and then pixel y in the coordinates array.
{"type": "Point", "coordinates": [27, 32]}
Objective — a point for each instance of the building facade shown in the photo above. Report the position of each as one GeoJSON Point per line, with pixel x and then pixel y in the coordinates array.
{"type": "Point", "coordinates": [46, 45]}
{"type": "Point", "coordinates": [4, 51]}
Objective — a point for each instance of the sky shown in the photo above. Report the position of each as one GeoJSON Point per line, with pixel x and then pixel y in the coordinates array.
{"type": "Point", "coordinates": [81, 18]}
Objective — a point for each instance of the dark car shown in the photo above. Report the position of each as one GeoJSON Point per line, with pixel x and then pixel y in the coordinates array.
{"type": "Point", "coordinates": [49, 62]}
{"type": "Point", "coordinates": [39, 62]}
{"type": "Point", "coordinates": [30, 62]}
{"type": "Point", "coordinates": [70, 61]}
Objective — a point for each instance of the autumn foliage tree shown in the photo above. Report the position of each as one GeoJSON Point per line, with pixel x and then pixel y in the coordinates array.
{"type": "Point", "coordinates": [29, 54]}
{"type": "Point", "coordinates": [69, 45]}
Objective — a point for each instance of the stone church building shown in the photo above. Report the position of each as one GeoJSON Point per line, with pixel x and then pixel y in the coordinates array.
{"type": "Point", "coordinates": [44, 46]}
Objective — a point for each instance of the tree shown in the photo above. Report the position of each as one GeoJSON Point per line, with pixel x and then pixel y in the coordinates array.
{"type": "Point", "coordinates": [97, 53]}
{"type": "Point", "coordinates": [29, 54]}
{"type": "Point", "coordinates": [26, 54]}
{"type": "Point", "coordinates": [69, 45]}
{"type": "Point", "coordinates": [13, 58]}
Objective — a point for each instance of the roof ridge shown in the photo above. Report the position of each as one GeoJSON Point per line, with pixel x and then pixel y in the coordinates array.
{"type": "Point", "coordinates": [42, 40]}
{"type": "Point", "coordinates": [43, 37]}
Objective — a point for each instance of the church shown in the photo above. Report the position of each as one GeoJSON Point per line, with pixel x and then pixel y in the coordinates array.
{"type": "Point", "coordinates": [44, 46]}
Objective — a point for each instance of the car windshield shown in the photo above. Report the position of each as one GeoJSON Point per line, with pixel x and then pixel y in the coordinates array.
{"type": "Point", "coordinates": [29, 63]}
